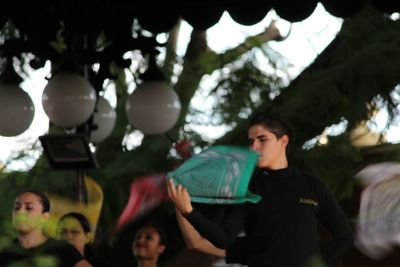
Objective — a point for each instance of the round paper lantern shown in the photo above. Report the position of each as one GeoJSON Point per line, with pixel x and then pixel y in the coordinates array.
{"type": "Point", "coordinates": [153, 108]}
{"type": "Point", "coordinates": [68, 99]}
{"type": "Point", "coordinates": [16, 109]}
{"type": "Point", "coordinates": [104, 120]}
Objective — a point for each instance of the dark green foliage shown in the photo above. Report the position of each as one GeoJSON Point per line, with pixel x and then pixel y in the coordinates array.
{"type": "Point", "coordinates": [335, 163]}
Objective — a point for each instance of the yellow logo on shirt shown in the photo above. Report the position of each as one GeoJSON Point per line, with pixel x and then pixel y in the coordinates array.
{"type": "Point", "coordinates": [308, 201]}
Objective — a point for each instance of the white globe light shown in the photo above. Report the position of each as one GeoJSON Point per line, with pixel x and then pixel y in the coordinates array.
{"type": "Point", "coordinates": [153, 108]}
{"type": "Point", "coordinates": [104, 119]}
{"type": "Point", "coordinates": [68, 100]}
{"type": "Point", "coordinates": [17, 110]}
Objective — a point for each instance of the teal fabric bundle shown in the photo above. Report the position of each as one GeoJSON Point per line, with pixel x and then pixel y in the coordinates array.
{"type": "Point", "coordinates": [218, 175]}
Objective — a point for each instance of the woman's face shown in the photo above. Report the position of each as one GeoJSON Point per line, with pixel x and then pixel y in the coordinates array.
{"type": "Point", "coordinates": [27, 214]}
{"type": "Point", "coordinates": [146, 244]}
{"type": "Point", "coordinates": [271, 150]}
{"type": "Point", "coordinates": [71, 230]}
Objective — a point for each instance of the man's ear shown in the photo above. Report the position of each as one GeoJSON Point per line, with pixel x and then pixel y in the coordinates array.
{"type": "Point", "coordinates": [285, 140]}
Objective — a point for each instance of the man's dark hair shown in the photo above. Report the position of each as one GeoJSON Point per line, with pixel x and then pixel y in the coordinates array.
{"type": "Point", "coordinates": [274, 123]}
{"type": "Point", "coordinates": [44, 200]}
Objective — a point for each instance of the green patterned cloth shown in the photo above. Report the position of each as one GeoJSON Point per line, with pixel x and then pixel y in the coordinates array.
{"type": "Point", "coordinates": [218, 175]}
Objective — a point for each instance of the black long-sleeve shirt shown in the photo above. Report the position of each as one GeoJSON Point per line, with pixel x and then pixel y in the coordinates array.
{"type": "Point", "coordinates": [60, 252]}
{"type": "Point", "coordinates": [281, 229]}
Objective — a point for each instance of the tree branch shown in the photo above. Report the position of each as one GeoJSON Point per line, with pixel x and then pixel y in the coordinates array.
{"type": "Point", "coordinates": [200, 60]}
{"type": "Point", "coordinates": [271, 33]}
{"type": "Point", "coordinates": [171, 54]}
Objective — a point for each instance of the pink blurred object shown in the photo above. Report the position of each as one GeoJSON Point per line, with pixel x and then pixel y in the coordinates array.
{"type": "Point", "coordinates": [184, 148]}
{"type": "Point", "coordinates": [146, 193]}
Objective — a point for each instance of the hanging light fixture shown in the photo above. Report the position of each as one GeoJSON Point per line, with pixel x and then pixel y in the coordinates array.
{"type": "Point", "coordinates": [153, 107]}
{"type": "Point", "coordinates": [68, 99]}
{"type": "Point", "coordinates": [16, 106]}
{"type": "Point", "coordinates": [103, 121]}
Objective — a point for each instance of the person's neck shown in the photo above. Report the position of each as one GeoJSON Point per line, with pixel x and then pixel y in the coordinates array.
{"type": "Point", "coordinates": [278, 165]}
{"type": "Point", "coordinates": [32, 239]}
{"type": "Point", "coordinates": [81, 250]}
{"type": "Point", "coordinates": [147, 263]}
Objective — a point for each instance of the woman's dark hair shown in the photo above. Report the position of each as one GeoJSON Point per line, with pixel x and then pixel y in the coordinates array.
{"type": "Point", "coordinates": [44, 200]}
{"type": "Point", "coordinates": [160, 231]}
{"type": "Point", "coordinates": [84, 222]}
{"type": "Point", "coordinates": [275, 124]}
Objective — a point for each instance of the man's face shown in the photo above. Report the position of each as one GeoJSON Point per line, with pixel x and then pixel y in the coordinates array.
{"type": "Point", "coordinates": [28, 213]}
{"type": "Point", "coordinates": [271, 150]}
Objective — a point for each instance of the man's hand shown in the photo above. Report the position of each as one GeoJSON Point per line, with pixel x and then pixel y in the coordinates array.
{"type": "Point", "coordinates": [180, 197]}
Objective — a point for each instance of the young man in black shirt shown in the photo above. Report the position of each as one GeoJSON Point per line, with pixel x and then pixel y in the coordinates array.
{"type": "Point", "coordinates": [281, 229]}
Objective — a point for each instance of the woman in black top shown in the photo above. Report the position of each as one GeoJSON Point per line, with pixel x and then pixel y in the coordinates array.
{"type": "Point", "coordinates": [281, 229]}
{"type": "Point", "coordinates": [32, 247]}
{"type": "Point", "coordinates": [148, 245]}
{"type": "Point", "coordinates": [75, 228]}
